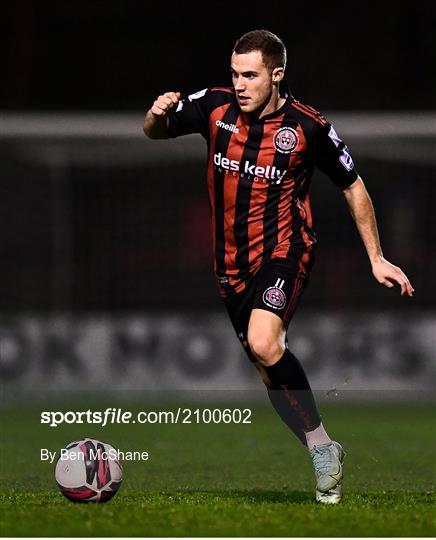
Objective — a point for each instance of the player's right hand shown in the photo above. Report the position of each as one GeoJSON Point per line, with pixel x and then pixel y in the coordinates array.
{"type": "Point", "coordinates": [165, 103]}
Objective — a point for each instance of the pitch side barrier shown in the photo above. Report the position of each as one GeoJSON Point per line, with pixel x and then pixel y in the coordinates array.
{"type": "Point", "coordinates": [408, 137]}
{"type": "Point", "coordinates": [385, 355]}
{"type": "Point", "coordinates": [129, 125]}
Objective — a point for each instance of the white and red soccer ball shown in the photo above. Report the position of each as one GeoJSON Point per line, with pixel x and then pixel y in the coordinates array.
{"type": "Point", "coordinates": [88, 471]}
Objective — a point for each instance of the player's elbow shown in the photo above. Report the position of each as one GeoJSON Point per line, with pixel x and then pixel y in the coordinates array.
{"type": "Point", "coordinates": [148, 130]}
{"type": "Point", "coordinates": [155, 128]}
{"type": "Point", "coordinates": [155, 133]}
{"type": "Point", "coordinates": [148, 133]}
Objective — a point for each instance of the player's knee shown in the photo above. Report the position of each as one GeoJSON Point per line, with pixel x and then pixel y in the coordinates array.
{"type": "Point", "coordinates": [266, 350]}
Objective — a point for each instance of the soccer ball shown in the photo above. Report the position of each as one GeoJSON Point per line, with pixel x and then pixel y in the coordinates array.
{"type": "Point", "coordinates": [88, 471]}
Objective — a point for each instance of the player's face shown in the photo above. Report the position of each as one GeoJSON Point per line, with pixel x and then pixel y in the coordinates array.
{"type": "Point", "coordinates": [253, 81]}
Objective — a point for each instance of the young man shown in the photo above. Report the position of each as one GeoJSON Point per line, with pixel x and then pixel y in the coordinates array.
{"type": "Point", "coordinates": [263, 145]}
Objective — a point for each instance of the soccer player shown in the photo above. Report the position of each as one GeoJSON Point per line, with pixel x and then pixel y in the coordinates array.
{"type": "Point", "coordinates": [262, 147]}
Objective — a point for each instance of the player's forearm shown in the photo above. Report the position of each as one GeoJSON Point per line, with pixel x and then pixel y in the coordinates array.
{"type": "Point", "coordinates": [156, 127]}
{"type": "Point", "coordinates": [362, 210]}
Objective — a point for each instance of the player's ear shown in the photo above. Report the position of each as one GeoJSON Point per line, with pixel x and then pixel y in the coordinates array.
{"type": "Point", "coordinates": [278, 74]}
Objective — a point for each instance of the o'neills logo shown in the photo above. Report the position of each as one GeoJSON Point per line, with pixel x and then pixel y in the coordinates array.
{"type": "Point", "coordinates": [285, 140]}
{"type": "Point", "coordinates": [228, 127]}
{"type": "Point", "coordinates": [269, 172]}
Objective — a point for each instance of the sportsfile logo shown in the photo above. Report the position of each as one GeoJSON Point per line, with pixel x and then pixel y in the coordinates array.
{"type": "Point", "coordinates": [249, 169]}
{"type": "Point", "coordinates": [228, 127]}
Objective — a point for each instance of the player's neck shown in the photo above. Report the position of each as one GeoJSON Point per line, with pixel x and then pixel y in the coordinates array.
{"type": "Point", "coordinates": [274, 103]}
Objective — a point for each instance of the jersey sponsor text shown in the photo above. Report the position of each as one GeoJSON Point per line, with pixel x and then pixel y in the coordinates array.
{"type": "Point", "coordinates": [269, 172]}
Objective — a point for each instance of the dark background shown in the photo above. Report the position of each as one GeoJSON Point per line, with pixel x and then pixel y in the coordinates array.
{"type": "Point", "coordinates": [133, 234]}
{"type": "Point", "coordinates": [110, 54]}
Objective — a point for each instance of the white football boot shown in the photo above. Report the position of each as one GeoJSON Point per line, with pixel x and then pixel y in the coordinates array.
{"type": "Point", "coordinates": [327, 461]}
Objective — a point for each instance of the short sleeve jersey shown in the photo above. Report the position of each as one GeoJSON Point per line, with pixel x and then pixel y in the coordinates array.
{"type": "Point", "coordinates": [259, 172]}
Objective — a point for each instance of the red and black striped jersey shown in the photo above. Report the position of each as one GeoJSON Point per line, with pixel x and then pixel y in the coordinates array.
{"type": "Point", "coordinates": [259, 171]}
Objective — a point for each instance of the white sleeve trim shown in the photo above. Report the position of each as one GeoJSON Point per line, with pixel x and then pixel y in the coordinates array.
{"type": "Point", "coordinates": [197, 95]}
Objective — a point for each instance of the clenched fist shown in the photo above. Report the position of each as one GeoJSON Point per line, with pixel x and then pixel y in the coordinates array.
{"type": "Point", "coordinates": [165, 103]}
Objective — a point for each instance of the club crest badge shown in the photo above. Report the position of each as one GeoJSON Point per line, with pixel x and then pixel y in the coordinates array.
{"type": "Point", "coordinates": [285, 140]}
{"type": "Point", "coordinates": [274, 298]}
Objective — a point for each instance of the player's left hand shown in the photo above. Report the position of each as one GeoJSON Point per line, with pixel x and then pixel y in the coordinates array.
{"type": "Point", "coordinates": [388, 274]}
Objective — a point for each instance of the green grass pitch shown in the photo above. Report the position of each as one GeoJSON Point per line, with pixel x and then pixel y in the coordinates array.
{"type": "Point", "coordinates": [228, 480]}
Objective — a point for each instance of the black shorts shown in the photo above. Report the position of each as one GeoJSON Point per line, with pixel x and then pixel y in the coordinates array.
{"type": "Point", "coordinates": [276, 287]}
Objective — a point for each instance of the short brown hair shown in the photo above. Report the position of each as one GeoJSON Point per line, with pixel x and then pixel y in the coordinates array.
{"type": "Point", "coordinates": [272, 47]}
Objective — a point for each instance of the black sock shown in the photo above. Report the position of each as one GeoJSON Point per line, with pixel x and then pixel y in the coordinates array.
{"type": "Point", "coordinates": [291, 395]}
{"type": "Point", "coordinates": [281, 404]}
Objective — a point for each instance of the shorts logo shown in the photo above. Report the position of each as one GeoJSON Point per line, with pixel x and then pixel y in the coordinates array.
{"type": "Point", "coordinates": [274, 297]}
{"type": "Point", "coordinates": [285, 140]}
